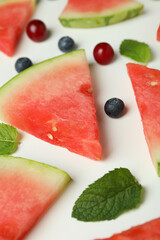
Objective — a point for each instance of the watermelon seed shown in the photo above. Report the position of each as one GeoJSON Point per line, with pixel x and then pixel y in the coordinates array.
{"type": "Point", "coordinates": [90, 90]}
{"type": "Point", "coordinates": [154, 83]}
{"type": "Point", "coordinates": [54, 129]}
{"type": "Point", "coordinates": [50, 136]}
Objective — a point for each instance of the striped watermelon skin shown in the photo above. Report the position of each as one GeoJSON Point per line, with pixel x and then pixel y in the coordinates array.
{"type": "Point", "coordinates": [14, 16]}
{"type": "Point", "coordinates": [146, 86]}
{"type": "Point", "coordinates": [147, 231]}
{"type": "Point", "coordinates": [90, 14]}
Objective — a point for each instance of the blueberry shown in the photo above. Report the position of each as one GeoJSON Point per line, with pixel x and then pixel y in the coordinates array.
{"type": "Point", "coordinates": [114, 107]}
{"type": "Point", "coordinates": [66, 44]}
{"type": "Point", "coordinates": [22, 63]}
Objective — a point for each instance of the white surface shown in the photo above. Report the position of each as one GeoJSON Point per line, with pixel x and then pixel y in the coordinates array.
{"type": "Point", "coordinates": [122, 139]}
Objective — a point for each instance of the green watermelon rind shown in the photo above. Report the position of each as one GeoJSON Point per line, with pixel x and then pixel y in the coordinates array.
{"type": "Point", "coordinates": [102, 20]}
{"type": "Point", "coordinates": [11, 162]}
{"type": "Point", "coordinates": [12, 83]}
{"type": "Point", "coordinates": [158, 168]}
{"type": "Point", "coordinates": [155, 153]}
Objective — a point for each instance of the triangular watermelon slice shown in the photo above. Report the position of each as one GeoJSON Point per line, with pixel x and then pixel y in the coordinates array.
{"type": "Point", "coordinates": [97, 13]}
{"type": "Point", "coordinates": [146, 85]}
{"type": "Point", "coordinates": [53, 101]}
{"type": "Point", "coordinates": [27, 190]}
{"type": "Point", "coordinates": [14, 15]}
{"type": "Point", "coordinates": [146, 231]}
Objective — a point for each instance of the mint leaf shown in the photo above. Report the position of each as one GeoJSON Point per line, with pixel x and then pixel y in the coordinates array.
{"type": "Point", "coordinates": [135, 50]}
{"type": "Point", "coordinates": [109, 196]}
{"type": "Point", "coordinates": [8, 136]}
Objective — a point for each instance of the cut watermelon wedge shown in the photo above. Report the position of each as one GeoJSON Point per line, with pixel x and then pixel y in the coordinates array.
{"type": "Point", "coordinates": [146, 85]}
{"type": "Point", "coordinates": [53, 101]}
{"type": "Point", "coordinates": [88, 14]}
{"type": "Point", "coordinates": [27, 189]}
{"type": "Point", "coordinates": [146, 231]}
{"type": "Point", "coordinates": [14, 15]}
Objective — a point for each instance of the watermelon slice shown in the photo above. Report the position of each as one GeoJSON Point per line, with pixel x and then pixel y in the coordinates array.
{"type": "Point", "coordinates": [158, 33]}
{"type": "Point", "coordinates": [146, 85]}
{"type": "Point", "coordinates": [53, 101]}
{"type": "Point", "coordinates": [146, 231]}
{"type": "Point", "coordinates": [88, 14]}
{"type": "Point", "coordinates": [27, 189]}
{"type": "Point", "coordinates": [14, 15]}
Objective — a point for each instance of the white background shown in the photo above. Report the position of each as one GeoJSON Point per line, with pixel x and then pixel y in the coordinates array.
{"type": "Point", "coordinates": [123, 141]}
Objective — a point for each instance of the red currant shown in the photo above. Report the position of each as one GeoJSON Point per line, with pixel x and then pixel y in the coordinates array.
{"type": "Point", "coordinates": [103, 53]}
{"type": "Point", "coordinates": [36, 30]}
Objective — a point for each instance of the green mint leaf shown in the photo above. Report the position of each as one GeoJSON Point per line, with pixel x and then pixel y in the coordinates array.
{"type": "Point", "coordinates": [8, 136]}
{"type": "Point", "coordinates": [135, 50]}
{"type": "Point", "coordinates": [108, 197]}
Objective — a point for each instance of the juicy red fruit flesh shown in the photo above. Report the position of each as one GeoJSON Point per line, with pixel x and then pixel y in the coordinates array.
{"type": "Point", "coordinates": [103, 53]}
{"type": "Point", "coordinates": [36, 30]}
{"type": "Point", "coordinates": [158, 33]}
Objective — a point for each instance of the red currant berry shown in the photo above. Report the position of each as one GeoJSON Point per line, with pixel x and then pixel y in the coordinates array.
{"type": "Point", "coordinates": [103, 53]}
{"type": "Point", "coordinates": [36, 30]}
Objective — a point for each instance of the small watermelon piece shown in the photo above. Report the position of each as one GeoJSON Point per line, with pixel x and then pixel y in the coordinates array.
{"type": "Point", "coordinates": [53, 101]}
{"type": "Point", "coordinates": [27, 190]}
{"type": "Point", "coordinates": [89, 14]}
{"type": "Point", "coordinates": [147, 231]}
{"type": "Point", "coordinates": [146, 85]}
{"type": "Point", "coordinates": [14, 15]}
{"type": "Point", "coordinates": [158, 33]}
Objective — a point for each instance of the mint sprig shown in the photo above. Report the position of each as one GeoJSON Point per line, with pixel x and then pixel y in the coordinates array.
{"type": "Point", "coordinates": [138, 51]}
{"type": "Point", "coordinates": [8, 139]}
{"type": "Point", "coordinates": [108, 197]}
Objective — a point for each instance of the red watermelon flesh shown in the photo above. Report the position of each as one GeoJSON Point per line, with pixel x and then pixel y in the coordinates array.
{"type": "Point", "coordinates": [14, 16]}
{"type": "Point", "coordinates": [53, 101]}
{"type": "Point", "coordinates": [146, 85]}
{"type": "Point", "coordinates": [158, 33]}
{"type": "Point", "coordinates": [97, 6]}
{"type": "Point", "coordinates": [85, 6]}
{"type": "Point", "coordinates": [27, 190]}
{"type": "Point", "coordinates": [146, 231]}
